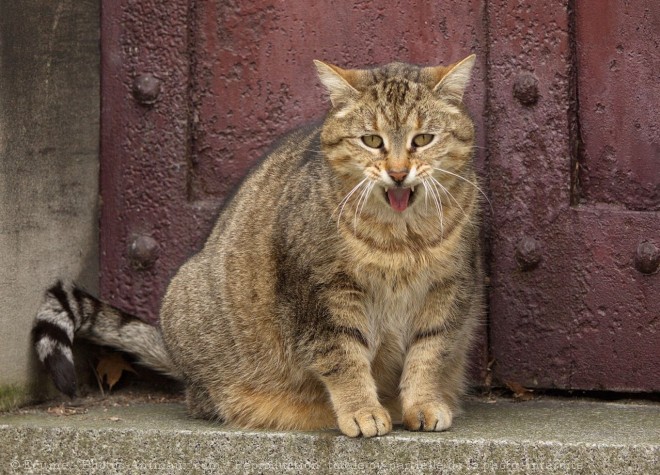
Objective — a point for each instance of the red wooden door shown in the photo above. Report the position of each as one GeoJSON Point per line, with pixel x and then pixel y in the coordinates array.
{"type": "Point", "coordinates": [194, 92]}
{"type": "Point", "coordinates": [575, 182]}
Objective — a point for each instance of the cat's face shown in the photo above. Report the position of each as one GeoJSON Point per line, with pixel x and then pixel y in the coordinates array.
{"type": "Point", "coordinates": [400, 131]}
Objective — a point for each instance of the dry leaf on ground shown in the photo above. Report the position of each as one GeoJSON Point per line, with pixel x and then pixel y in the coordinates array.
{"type": "Point", "coordinates": [111, 367]}
{"type": "Point", "coordinates": [520, 392]}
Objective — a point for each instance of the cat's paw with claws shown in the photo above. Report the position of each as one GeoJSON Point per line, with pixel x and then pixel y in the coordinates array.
{"type": "Point", "coordinates": [365, 422]}
{"type": "Point", "coordinates": [429, 417]}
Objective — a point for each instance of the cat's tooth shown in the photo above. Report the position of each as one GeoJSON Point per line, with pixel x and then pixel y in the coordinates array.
{"type": "Point", "coordinates": [386, 189]}
{"type": "Point", "coordinates": [412, 188]}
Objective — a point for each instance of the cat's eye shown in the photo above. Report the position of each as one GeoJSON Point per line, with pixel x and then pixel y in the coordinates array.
{"type": "Point", "coordinates": [372, 141]}
{"type": "Point", "coordinates": [422, 139]}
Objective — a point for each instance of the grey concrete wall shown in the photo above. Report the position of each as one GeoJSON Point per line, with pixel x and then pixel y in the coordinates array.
{"type": "Point", "coordinates": [49, 139]}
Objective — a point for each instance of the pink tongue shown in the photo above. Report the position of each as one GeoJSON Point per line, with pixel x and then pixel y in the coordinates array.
{"type": "Point", "coordinates": [398, 198]}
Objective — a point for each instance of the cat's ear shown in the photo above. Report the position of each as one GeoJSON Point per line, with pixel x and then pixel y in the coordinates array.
{"type": "Point", "coordinates": [337, 81]}
{"type": "Point", "coordinates": [455, 79]}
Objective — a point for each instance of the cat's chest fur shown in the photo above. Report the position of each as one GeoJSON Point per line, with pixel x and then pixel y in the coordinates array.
{"type": "Point", "coordinates": [397, 284]}
{"type": "Point", "coordinates": [392, 303]}
{"type": "Point", "coordinates": [391, 306]}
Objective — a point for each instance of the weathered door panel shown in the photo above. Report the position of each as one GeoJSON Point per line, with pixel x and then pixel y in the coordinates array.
{"type": "Point", "coordinates": [585, 318]}
{"type": "Point", "coordinates": [569, 308]}
{"type": "Point", "coordinates": [146, 220]}
{"type": "Point", "coordinates": [619, 95]}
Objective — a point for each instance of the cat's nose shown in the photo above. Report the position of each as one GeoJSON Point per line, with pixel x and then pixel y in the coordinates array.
{"type": "Point", "coordinates": [398, 175]}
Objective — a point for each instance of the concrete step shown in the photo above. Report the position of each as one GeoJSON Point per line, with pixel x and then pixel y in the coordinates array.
{"type": "Point", "coordinates": [540, 436]}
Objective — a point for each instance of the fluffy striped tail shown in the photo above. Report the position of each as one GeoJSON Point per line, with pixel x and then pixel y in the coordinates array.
{"type": "Point", "coordinates": [69, 311]}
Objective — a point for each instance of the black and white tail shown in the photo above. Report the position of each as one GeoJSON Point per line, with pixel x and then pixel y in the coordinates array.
{"type": "Point", "coordinates": [69, 312]}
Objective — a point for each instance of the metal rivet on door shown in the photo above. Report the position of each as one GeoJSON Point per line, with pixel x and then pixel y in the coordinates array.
{"type": "Point", "coordinates": [528, 253]}
{"type": "Point", "coordinates": [143, 252]}
{"type": "Point", "coordinates": [647, 258]}
{"type": "Point", "coordinates": [146, 88]}
{"type": "Point", "coordinates": [526, 89]}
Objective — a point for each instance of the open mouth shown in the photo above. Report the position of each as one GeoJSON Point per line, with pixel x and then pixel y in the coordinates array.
{"type": "Point", "coordinates": [399, 198]}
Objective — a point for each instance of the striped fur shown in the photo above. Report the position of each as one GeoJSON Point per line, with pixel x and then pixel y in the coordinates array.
{"type": "Point", "coordinates": [69, 312]}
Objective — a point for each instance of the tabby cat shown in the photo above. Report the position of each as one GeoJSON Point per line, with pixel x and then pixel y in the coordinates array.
{"type": "Point", "coordinates": [341, 285]}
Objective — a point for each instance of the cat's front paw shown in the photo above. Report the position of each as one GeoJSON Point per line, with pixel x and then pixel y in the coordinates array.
{"type": "Point", "coordinates": [430, 417]}
{"type": "Point", "coordinates": [367, 422]}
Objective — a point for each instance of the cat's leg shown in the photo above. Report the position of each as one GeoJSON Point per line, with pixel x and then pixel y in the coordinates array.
{"type": "Point", "coordinates": [433, 376]}
{"type": "Point", "coordinates": [347, 376]}
{"type": "Point", "coordinates": [343, 364]}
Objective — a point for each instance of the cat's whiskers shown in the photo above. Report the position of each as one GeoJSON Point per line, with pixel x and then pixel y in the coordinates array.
{"type": "Point", "coordinates": [426, 195]}
{"type": "Point", "coordinates": [448, 194]}
{"type": "Point", "coordinates": [467, 181]}
{"type": "Point", "coordinates": [438, 204]}
{"type": "Point", "coordinates": [343, 202]}
{"type": "Point", "coordinates": [364, 196]}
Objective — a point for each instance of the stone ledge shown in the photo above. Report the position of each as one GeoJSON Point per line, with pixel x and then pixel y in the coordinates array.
{"type": "Point", "coordinates": [545, 436]}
